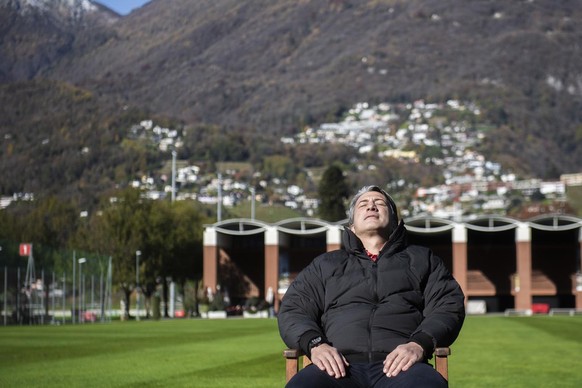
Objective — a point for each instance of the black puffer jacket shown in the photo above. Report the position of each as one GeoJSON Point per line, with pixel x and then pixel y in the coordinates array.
{"type": "Point", "coordinates": [366, 309]}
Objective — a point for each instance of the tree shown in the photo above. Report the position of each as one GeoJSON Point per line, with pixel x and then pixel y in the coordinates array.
{"type": "Point", "coordinates": [51, 221]}
{"type": "Point", "coordinates": [279, 166]}
{"type": "Point", "coordinates": [118, 231]}
{"type": "Point", "coordinates": [48, 223]}
{"type": "Point", "coordinates": [333, 191]}
{"type": "Point", "coordinates": [168, 236]}
{"type": "Point", "coordinates": [173, 245]}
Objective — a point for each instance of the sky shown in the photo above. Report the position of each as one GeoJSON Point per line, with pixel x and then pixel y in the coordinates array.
{"type": "Point", "coordinates": [123, 7]}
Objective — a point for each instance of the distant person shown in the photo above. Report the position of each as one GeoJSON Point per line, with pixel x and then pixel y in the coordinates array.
{"type": "Point", "coordinates": [372, 313]}
{"type": "Point", "coordinates": [270, 299]}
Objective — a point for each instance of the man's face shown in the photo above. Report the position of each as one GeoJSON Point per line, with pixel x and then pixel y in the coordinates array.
{"type": "Point", "coordinates": [371, 214]}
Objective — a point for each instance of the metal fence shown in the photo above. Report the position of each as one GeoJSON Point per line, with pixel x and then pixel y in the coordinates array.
{"type": "Point", "coordinates": [28, 297]}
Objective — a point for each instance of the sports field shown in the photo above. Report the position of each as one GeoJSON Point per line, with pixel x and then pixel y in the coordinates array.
{"type": "Point", "coordinates": [492, 351]}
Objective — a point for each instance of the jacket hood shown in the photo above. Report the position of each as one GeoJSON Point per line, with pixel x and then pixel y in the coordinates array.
{"type": "Point", "coordinates": [396, 241]}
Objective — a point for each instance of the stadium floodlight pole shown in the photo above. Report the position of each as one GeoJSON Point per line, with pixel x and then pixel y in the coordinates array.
{"type": "Point", "coordinates": [91, 307]}
{"type": "Point", "coordinates": [252, 203]}
{"type": "Point", "coordinates": [18, 315]}
{"type": "Point", "coordinates": [137, 255]}
{"type": "Point", "coordinates": [5, 289]}
{"type": "Point", "coordinates": [73, 291]}
{"type": "Point", "coordinates": [174, 153]}
{"type": "Point", "coordinates": [64, 294]}
{"type": "Point", "coordinates": [53, 302]}
{"type": "Point", "coordinates": [81, 293]}
{"type": "Point", "coordinates": [219, 204]}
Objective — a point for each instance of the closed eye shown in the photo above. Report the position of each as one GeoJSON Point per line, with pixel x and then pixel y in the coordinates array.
{"type": "Point", "coordinates": [378, 202]}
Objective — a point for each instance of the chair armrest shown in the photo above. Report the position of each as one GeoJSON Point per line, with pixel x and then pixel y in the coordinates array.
{"type": "Point", "coordinates": [292, 353]}
{"type": "Point", "coordinates": [291, 362]}
{"type": "Point", "coordinates": [295, 359]}
{"type": "Point", "coordinates": [442, 352]}
{"type": "Point", "coordinates": [441, 363]}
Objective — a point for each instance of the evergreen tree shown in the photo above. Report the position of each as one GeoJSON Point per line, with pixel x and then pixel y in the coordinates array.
{"type": "Point", "coordinates": [333, 191]}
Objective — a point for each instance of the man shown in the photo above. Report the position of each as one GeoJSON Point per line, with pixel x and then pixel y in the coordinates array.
{"type": "Point", "coordinates": [371, 313]}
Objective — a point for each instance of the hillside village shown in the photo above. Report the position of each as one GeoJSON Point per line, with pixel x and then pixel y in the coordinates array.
{"type": "Point", "coordinates": [472, 185]}
{"type": "Point", "coordinates": [445, 135]}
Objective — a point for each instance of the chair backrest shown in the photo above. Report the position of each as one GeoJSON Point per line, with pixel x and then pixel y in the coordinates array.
{"type": "Point", "coordinates": [295, 360]}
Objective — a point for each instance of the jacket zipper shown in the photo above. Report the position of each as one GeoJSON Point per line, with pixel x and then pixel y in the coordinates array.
{"type": "Point", "coordinates": [373, 312]}
{"type": "Point", "coordinates": [370, 334]}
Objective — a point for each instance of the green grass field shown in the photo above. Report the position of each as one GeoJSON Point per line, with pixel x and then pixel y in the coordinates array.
{"type": "Point", "coordinates": [492, 351]}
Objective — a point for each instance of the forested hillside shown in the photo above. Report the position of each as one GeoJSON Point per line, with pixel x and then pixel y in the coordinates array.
{"type": "Point", "coordinates": [236, 76]}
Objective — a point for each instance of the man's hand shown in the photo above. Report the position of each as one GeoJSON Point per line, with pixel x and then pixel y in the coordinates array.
{"type": "Point", "coordinates": [328, 359]}
{"type": "Point", "coordinates": [402, 358]}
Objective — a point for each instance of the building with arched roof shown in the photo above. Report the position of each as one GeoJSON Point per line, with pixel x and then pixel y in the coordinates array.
{"type": "Point", "coordinates": [502, 262]}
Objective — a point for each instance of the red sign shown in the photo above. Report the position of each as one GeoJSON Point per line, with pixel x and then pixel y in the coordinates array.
{"type": "Point", "coordinates": [25, 249]}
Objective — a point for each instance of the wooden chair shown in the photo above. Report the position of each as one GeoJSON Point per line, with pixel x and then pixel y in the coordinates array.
{"type": "Point", "coordinates": [295, 360]}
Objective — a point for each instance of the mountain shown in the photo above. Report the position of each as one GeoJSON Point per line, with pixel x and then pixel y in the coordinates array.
{"type": "Point", "coordinates": [275, 65]}
{"type": "Point", "coordinates": [37, 34]}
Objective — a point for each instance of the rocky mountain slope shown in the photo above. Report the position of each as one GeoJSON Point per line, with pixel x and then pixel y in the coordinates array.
{"type": "Point", "coordinates": [276, 65]}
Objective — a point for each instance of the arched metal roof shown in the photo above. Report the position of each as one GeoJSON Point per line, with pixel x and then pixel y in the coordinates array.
{"type": "Point", "coordinates": [555, 222]}
{"type": "Point", "coordinates": [492, 223]}
{"type": "Point", "coordinates": [240, 226]}
{"type": "Point", "coordinates": [303, 226]}
{"type": "Point", "coordinates": [422, 224]}
{"type": "Point", "coordinates": [428, 224]}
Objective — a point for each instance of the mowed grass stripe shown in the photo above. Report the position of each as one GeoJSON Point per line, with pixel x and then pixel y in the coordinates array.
{"type": "Point", "coordinates": [564, 327]}
{"type": "Point", "coordinates": [492, 351]}
{"type": "Point", "coordinates": [538, 351]}
{"type": "Point", "coordinates": [121, 354]}
{"type": "Point", "coordinates": [30, 343]}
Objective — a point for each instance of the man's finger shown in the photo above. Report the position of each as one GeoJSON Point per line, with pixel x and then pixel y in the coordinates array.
{"type": "Point", "coordinates": [340, 367]}
{"type": "Point", "coordinates": [402, 358]}
{"type": "Point", "coordinates": [389, 361]}
{"type": "Point", "coordinates": [395, 366]}
{"type": "Point", "coordinates": [328, 359]}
